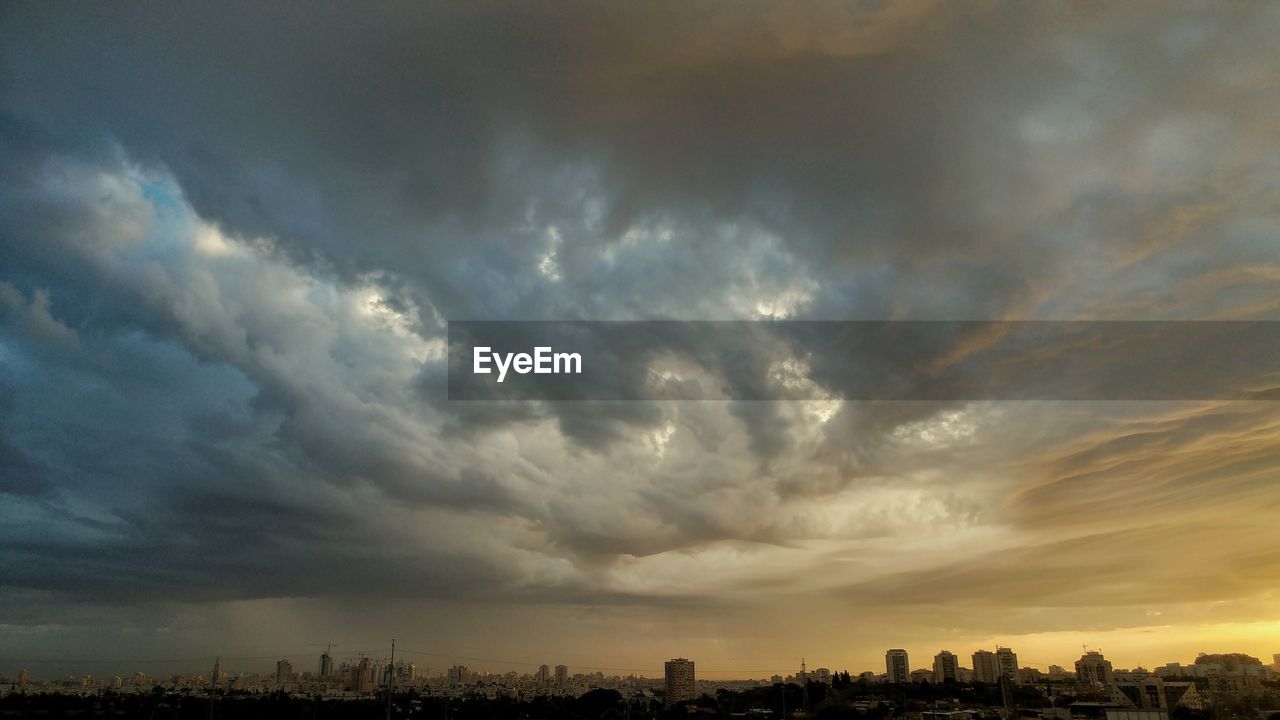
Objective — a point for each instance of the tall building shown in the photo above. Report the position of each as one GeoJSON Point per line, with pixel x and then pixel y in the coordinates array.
{"type": "Point", "coordinates": [945, 667]}
{"type": "Point", "coordinates": [284, 671]}
{"type": "Point", "coordinates": [544, 674]}
{"type": "Point", "coordinates": [897, 668]}
{"type": "Point", "coordinates": [678, 681]}
{"type": "Point", "coordinates": [986, 667]}
{"type": "Point", "coordinates": [326, 664]}
{"type": "Point", "coordinates": [1095, 670]}
{"type": "Point", "coordinates": [215, 677]}
{"type": "Point", "coordinates": [23, 677]}
{"type": "Point", "coordinates": [1008, 662]}
{"type": "Point", "coordinates": [361, 678]}
{"type": "Point", "coordinates": [562, 674]}
{"type": "Point", "coordinates": [458, 676]}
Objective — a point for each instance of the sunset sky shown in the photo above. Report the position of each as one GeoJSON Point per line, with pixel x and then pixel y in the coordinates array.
{"type": "Point", "coordinates": [231, 237]}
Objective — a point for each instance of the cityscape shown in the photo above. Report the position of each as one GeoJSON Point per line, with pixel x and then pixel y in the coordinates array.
{"type": "Point", "coordinates": [992, 684]}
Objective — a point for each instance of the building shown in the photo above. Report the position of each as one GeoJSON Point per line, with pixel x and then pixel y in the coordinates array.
{"type": "Point", "coordinates": [822, 675]}
{"type": "Point", "coordinates": [678, 681]}
{"type": "Point", "coordinates": [897, 668]}
{"type": "Point", "coordinates": [458, 676]}
{"type": "Point", "coordinates": [544, 675]}
{"type": "Point", "coordinates": [1029, 676]}
{"type": "Point", "coordinates": [1115, 713]}
{"type": "Point", "coordinates": [216, 677]}
{"type": "Point", "coordinates": [326, 664]}
{"type": "Point", "coordinates": [1153, 693]}
{"type": "Point", "coordinates": [1094, 670]}
{"type": "Point", "coordinates": [23, 678]}
{"type": "Point", "coordinates": [1183, 694]}
{"type": "Point", "coordinates": [1147, 693]}
{"type": "Point", "coordinates": [946, 667]}
{"type": "Point", "coordinates": [1008, 662]}
{"type": "Point", "coordinates": [284, 671]}
{"type": "Point", "coordinates": [986, 667]}
{"type": "Point", "coordinates": [361, 678]}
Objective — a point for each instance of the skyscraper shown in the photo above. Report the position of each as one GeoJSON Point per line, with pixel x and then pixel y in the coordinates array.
{"type": "Point", "coordinates": [679, 682]}
{"type": "Point", "coordinates": [544, 674]}
{"type": "Point", "coordinates": [896, 667]}
{"type": "Point", "coordinates": [945, 667]}
{"type": "Point", "coordinates": [562, 674]}
{"type": "Point", "coordinates": [215, 677]}
{"type": "Point", "coordinates": [284, 671]}
{"type": "Point", "coordinates": [326, 664]}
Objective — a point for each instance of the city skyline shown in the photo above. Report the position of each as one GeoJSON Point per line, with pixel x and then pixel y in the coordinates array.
{"type": "Point", "coordinates": [234, 238]}
{"type": "Point", "coordinates": [440, 665]}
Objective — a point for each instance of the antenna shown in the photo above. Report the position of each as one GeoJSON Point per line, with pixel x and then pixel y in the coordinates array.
{"type": "Point", "coordinates": [804, 695]}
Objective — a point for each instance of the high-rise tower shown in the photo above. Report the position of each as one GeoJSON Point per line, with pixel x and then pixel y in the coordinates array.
{"type": "Point", "coordinates": [946, 667]}
{"type": "Point", "coordinates": [678, 681]}
{"type": "Point", "coordinates": [896, 667]}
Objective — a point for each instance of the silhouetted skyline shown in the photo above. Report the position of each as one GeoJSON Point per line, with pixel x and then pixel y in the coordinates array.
{"type": "Point", "coordinates": [232, 238]}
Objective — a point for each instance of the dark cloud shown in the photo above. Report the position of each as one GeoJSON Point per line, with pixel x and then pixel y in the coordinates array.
{"type": "Point", "coordinates": [448, 143]}
{"type": "Point", "coordinates": [20, 474]}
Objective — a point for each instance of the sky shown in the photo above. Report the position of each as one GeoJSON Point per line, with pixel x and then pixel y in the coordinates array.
{"type": "Point", "coordinates": [232, 236]}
